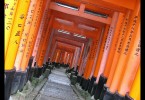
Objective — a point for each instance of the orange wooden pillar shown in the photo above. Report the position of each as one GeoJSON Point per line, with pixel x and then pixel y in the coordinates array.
{"type": "Point", "coordinates": [61, 56]}
{"type": "Point", "coordinates": [16, 33]}
{"type": "Point", "coordinates": [19, 75]}
{"type": "Point", "coordinates": [53, 50]}
{"type": "Point", "coordinates": [10, 7]}
{"type": "Point", "coordinates": [70, 60]}
{"type": "Point", "coordinates": [81, 60]}
{"type": "Point", "coordinates": [38, 25]}
{"type": "Point", "coordinates": [107, 45]}
{"type": "Point", "coordinates": [75, 58]}
{"type": "Point", "coordinates": [33, 33]}
{"type": "Point", "coordinates": [133, 25]}
{"type": "Point", "coordinates": [25, 35]}
{"type": "Point", "coordinates": [85, 57]}
{"type": "Point", "coordinates": [53, 55]}
{"type": "Point", "coordinates": [39, 46]}
{"type": "Point", "coordinates": [53, 58]}
{"type": "Point", "coordinates": [118, 48]}
{"type": "Point", "coordinates": [92, 55]}
{"type": "Point", "coordinates": [113, 45]}
{"type": "Point", "coordinates": [13, 44]}
{"type": "Point", "coordinates": [43, 51]}
{"type": "Point", "coordinates": [136, 87]}
{"type": "Point", "coordinates": [42, 29]}
{"type": "Point", "coordinates": [131, 66]}
{"type": "Point", "coordinates": [48, 48]}
{"type": "Point", "coordinates": [81, 56]}
{"type": "Point", "coordinates": [97, 66]}
{"type": "Point", "coordinates": [97, 52]}
{"type": "Point", "coordinates": [90, 60]}
{"type": "Point", "coordinates": [45, 44]}
{"type": "Point", "coordinates": [65, 57]}
{"type": "Point", "coordinates": [101, 80]}
{"type": "Point", "coordinates": [57, 55]}
{"type": "Point", "coordinates": [53, 47]}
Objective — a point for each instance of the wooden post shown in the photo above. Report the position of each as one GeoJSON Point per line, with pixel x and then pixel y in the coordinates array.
{"type": "Point", "coordinates": [25, 35]}
{"type": "Point", "coordinates": [133, 24]}
{"type": "Point", "coordinates": [42, 29]}
{"type": "Point", "coordinates": [118, 48]}
{"type": "Point", "coordinates": [113, 45]}
{"type": "Point", "coordinates": [16, 33]}
{"type": "Point", "coordinates": [33, 33]}
{"type": "Point", "coordinates": [131, 65]}
{"type": "Point", "coordinates": [107, 45]}
{"type": "Point", "coordinates": [10, 10]}
{"type": "Point", "coordinates": [97, 66]}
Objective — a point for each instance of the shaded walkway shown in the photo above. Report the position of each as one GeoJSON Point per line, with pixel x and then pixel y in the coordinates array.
{"type": "Point", "coordinates": [57, 87]}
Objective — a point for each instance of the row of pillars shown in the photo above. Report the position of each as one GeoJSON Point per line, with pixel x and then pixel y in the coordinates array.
{"type": "Point", "coordinates": [114, 53]}
{"type": "Point", "coordinates": [27, 35]}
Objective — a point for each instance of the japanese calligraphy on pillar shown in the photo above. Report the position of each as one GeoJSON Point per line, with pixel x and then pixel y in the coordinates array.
{"type": "Point", "coordinates": [137, 49]}
{"type": "Point", "coordinates": [109, 38]}
{"type": "Point", "coordinates": [34, 25]}
{"type": "Point", "coordinates": [130, 36]}
{"type": "Point", "coordinates": [10, 9]}
{"type": "Point", "coordinates": [122, 35]}
{"type": "Point", "coordinates": [105, 40]}
{"type": "Point", "coordinates": [28, 22]}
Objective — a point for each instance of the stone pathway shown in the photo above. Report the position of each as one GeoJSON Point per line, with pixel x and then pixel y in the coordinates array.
{"type": "Point", "coordinates": [57, 87]}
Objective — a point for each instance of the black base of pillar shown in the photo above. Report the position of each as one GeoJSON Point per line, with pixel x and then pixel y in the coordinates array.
{"type": "Point", "coordinates": [94, 89]}
{"type": "Point", "coordinates": [16, 82]}
{"type": "Point", "coordinates": [81, 82]}
{"type": "Point", "coordinates": [35, 72]}
{"type": "Point", "coordinates": [78, 79]}
{"type": "Point", "coordinates": [93, 79]}
{"type": "Point", "coordinates": [44, 68]}
{"type": "Point", "coordinates": [85, 84]}
{"type": "Point", "coordinates": [22, 81]}
{"type": "Point", "coordinates": [103, 92]}
{"type": "Point", "coordinates": [117, 96]}
{"type": "Point", "coordinates": [108, 95]}
{"type": "Point", "coordinates": [38, 72]}
{"type": "Point", "coordinates": [31, 74]}
{"type": "Point", "coordinates": [72, 74]}
{"type": "Point", "coordinates": [9, 75]}
{"type": "Point", "coordinates": [127, 97]}
{"type": "Point", "coordinates": [73, 80]}
{"type": "Point", "coordinates": [76, 73]}
{"type": "Point", "coordinates": [102, 81]}
{"type": "Point", "coordinates": [27, 75]}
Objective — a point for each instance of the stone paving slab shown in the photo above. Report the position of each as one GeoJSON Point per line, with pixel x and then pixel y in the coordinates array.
{"type": "Point", "coordinates": [57, 87]}
{"type": "Point", "coordinates": [44, 97]}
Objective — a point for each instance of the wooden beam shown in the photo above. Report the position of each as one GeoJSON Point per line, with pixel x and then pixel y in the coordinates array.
{"type": "Point", "coordinates": [54, 6]}
{"type": "Point", "coordinates": [65, 46]}
{"type": "Point", "coordinates": [77, 19]}
{"type": "Point", "coordinates": [66, 49]}
{"type": "Point", "coordinates": [64, 40]}
{"type": "Point", "coordinates": [74, 29]}
{"type": "Point", "coordinates": [102, 4]}
{"type": "Point", "coordinates": [77, 3]}
{"type": "Point", "coordinates": [70, 37]}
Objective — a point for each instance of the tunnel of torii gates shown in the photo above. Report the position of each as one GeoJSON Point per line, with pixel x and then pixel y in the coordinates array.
{"type": "Point", "coordinates": [100, 39]}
